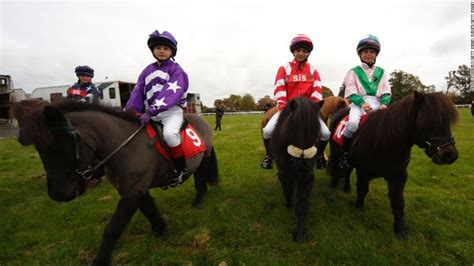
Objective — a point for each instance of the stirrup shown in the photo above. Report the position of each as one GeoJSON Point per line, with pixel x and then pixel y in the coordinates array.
{"type": "Point", "coordinates": [345, 161]}
{"type": "Point", "coordinates": [178, 178]}
{"type": "Point", "coordinates": [267, 163]}
{"type": "Point", "coordinates": [320, 162]}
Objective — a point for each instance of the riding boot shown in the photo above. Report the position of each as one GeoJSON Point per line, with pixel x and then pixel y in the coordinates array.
{"type": "Point", "coordinates": [180, 171]}
{"type": "Point", "coordinates": [320, 160]}
{"type": "Point", "coordinates": [267, 161]}
{"type": "Point", "coordinates": [345, 158]}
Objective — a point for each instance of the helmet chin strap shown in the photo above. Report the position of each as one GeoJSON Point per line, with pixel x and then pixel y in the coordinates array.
{"type": "Point", "coordinates": [369, 64]}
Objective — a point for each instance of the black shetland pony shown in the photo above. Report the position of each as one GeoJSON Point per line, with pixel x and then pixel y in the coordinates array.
{"type": "Point", "coordinates": [294, 144]}
{"type": "Point", "coordinates": [381, 146]}
{"type": "Point", "coordinates": [69, 136]}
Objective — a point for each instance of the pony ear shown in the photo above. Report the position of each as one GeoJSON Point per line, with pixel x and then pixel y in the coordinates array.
{"type": "Point", "coordinates": [419, 98]}
{"type": "Point", "coordinates": [342, 103]}
{"type": "Point", "coordinates": [53, 117]}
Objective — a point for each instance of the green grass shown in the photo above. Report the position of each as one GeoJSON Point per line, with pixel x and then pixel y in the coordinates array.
{"type": "Point", "coordinates": [243, 220]}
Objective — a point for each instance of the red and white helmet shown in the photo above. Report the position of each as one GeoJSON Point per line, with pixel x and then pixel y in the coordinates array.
{"type": "Point", "coordinates": [301, 41]}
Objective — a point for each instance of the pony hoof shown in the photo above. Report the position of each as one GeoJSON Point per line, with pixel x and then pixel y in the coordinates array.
{"type": "Point", "coordinates": [358, 205]}
{"type": "Point", "coordinates": [101, 261]}
{"type": "Point", "coordinates": [197, 201]}
{"type": "Point", "coordinates": [333, 184]}
{"type": "Point", "coordinates": [402, 235]}
{"type": "Point", "coordinates": [160, 230]}
{"type": "Point", "coordinates": [299, 237]}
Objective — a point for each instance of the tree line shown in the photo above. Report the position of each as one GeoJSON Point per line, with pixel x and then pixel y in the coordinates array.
{"type": "Point", "coordinates": [458, 88]}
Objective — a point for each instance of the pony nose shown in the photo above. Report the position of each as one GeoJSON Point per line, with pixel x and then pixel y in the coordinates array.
{"type": "Point", "coordinates": [450, 157]}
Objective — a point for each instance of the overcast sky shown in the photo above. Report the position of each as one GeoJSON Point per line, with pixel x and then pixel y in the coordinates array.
{"type": "Point", "coordinates": [228, 47]}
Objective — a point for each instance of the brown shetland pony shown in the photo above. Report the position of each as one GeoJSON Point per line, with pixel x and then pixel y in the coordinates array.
{"type": "Point", "coordinates": [69, 136]}
{"type": "Point", "coordinates": [331, 105]}
{"type": "Point", "coordinates": [294, 147]}
{"type": "Point", "coordinates": [382, 146]}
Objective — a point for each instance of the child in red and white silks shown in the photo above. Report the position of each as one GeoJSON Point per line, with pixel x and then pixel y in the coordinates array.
{"type": "Point", "coordinates": [294, 79]}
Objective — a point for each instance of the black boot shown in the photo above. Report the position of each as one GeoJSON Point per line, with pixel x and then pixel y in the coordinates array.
{"type": "Point", "coordinates": [267, 161]}
{"type": "Point", "coordinates": [345, 158]}
{"type": "Point", "coordinates": [320, 160]}
{"type": "Point", "coordinates": [180, 171]}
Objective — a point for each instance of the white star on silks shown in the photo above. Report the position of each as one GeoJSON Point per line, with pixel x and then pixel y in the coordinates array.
{"type": "Point", "coordinates": [173, 86]}
{"type": "Point", "coordinates": [158, 103]}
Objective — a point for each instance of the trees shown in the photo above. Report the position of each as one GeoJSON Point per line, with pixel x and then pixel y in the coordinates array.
{"type": "Point", "coordinates": [265, 102]}
{"type": "Point", "coordinates": [403, 84]}
{"type": "Point", "coordinates": [237, 102]}
{"type": "Point", "coordinates": [460, 81]}
{"type": "Point", "coordinates": [248, 103]}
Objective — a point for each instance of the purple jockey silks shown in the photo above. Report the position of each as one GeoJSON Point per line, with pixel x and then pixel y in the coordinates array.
{"type": "Point", "coordinates": [159, 87]}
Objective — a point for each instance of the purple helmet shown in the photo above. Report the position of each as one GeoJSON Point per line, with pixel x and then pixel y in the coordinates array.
{"type": "Point", "coordinates": [164, 38]}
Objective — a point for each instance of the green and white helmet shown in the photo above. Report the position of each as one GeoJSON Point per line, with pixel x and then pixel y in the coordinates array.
{"type": "Point", "coordinates": [369, 41]}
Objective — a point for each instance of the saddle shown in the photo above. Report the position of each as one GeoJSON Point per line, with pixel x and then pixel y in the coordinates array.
{"type": "Point", "coordinates": [338, 135]}
{"type": "Point", "coordinates": [191, 142]}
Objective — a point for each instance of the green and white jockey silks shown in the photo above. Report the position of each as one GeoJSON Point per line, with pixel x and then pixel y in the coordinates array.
{"type": "Point", "coordinates": [371, 86]}
{"type": "Point", "coordinates": [369, 81]}
{"type": "Point", "coordinates": [365, 84]}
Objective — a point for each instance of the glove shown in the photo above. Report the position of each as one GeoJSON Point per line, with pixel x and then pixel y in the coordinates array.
{"type": "Point", "coordinates": [144, 118]}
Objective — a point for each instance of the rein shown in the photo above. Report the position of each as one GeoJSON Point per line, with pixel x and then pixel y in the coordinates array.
{"type": "Point", "coordinates": [87, 174]}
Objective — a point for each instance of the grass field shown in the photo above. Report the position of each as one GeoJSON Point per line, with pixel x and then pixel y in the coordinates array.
{"type": "Point", "coordinates": [243, 220]}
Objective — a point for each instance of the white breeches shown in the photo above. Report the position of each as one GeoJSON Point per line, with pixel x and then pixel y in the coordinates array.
{"type": "Point", "coordinates": [172, 119]}
{"type": "Point", "coordinates": [268, 129]}
{"type": "Point", "coordinates": [356, 112]}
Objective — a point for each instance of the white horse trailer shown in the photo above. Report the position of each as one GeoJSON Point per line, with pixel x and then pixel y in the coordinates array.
{"type": "Point", "coordinates": [113, 93]}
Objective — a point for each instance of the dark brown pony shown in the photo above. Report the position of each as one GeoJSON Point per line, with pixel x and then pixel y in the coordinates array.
{"type": "Point", "coordinates": [69, 136]}
{"type": "Point", "coordinates": [294, 147]}
{"type": "Point", "coordinates": [330, 106]}
{"type": "Point", "coordinates": [382, 145]}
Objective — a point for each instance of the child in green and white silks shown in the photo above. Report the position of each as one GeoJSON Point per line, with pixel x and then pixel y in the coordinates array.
{"type": "Point", "coordinates": [367, 87]}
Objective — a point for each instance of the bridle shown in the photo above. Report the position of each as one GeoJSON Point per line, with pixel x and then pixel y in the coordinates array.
{"type": "Point", "coordinates": [431, 145]}
{"type": "Point", "coordinates": [87, 172]}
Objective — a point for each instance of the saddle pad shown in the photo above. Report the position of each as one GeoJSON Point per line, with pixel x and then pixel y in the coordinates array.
{"type": "Point", "coordinates": [190, 140]}
{"type": "Point", "coordinates": [338, 135]}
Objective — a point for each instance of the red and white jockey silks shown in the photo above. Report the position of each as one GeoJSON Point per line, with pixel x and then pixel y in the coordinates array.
{"type": "Point", "coordinates": [291, 82]}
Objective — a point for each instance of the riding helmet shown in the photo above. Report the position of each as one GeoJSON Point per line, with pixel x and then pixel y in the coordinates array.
{"type": "Point", "coordinates": [84, 71]}
{"type": "Point", "coordinates": [369, 41]}
{"type": "Point", "coordinates": [301, 41]}
{"type": "Point", "coordinates": [164, 38]}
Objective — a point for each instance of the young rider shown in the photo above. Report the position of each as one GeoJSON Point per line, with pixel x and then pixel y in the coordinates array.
{"type": "Point", "coordinates": [367, 87]}
{"type": "Point", "coordinates": [161, 93]}
{"type": "Point", "coordinates": [84, 90]}
{"type": "Point", "coordinates": [294, 79]}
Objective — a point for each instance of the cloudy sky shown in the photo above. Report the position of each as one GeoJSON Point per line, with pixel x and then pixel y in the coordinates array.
{"type": "Point", "coordinates": [228, 47]}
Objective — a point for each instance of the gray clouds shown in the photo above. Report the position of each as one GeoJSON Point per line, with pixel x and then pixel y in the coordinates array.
{"type": "Point", "coordinates": [228, 48]}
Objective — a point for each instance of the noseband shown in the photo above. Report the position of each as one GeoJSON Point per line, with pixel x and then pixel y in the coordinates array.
{"type": "Point", "coordinates": [435, 144]}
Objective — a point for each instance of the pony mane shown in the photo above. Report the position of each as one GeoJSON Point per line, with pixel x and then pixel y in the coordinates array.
{"type": "Point", "coordinates": [303, 115]}
{"type": "Point", "coordinates": [387, 127]}
{"type": "Point", "coordinates": [72, 106]}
